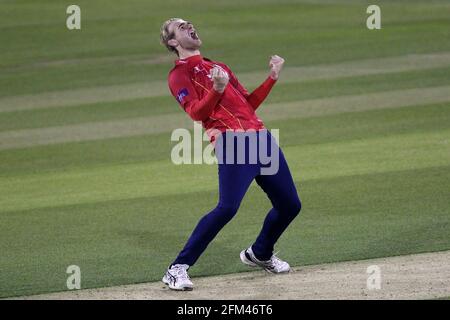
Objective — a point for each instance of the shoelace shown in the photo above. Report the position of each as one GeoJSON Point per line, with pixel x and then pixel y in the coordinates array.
{"type": "Point", "coordinates": [275, 261]}
{"type": "Point", "coordinates": [180, 271]}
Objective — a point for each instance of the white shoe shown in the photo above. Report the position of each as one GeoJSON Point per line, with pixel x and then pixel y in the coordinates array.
{"type": "Point", "coordinates": [273, 265]}
{"type": "Point", "coordinates": [177, 278]}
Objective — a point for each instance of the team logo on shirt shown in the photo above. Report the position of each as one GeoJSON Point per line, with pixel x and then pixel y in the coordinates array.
{"type": "Point", "coordinates": [199, 68]}
{"type": "Point", "coordinates": [181, 94]}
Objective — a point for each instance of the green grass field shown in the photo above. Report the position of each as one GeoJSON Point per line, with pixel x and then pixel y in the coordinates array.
{"type": "Point", "coordinates": [85, 121]}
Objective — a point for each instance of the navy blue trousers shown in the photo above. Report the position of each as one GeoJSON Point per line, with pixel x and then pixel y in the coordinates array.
{"type": "Point", "coordinates": [234, 181]}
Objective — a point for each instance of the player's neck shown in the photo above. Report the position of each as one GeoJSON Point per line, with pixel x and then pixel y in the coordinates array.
{"type": "Point", "coordinates": [184, 54]}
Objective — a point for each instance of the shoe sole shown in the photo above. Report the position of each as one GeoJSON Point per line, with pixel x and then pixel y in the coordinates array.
{"type": "Point", "coordinates": [175, 288]}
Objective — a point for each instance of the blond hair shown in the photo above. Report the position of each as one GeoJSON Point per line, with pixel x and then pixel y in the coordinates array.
{"type": "Point", "coordinates": [166, 34]}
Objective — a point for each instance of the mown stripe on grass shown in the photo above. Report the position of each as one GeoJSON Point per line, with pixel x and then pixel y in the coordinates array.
{"type": "Point", "coordinates": [357, 68]}
{"type": "Point", "coordinates": [112, 93]}
{"type": "Point", "coordinates": [309, 162]}
{"type": "Point", "coordinates": [355, 103]}
{"type": "Point", "coordinates": [156, 147]}
{"type": "Point", "coordinates": [384, 215]}
{"type": "Point", "coordinates": [167, 123]}
{"type": "Point", "coordinates": [284, 92]}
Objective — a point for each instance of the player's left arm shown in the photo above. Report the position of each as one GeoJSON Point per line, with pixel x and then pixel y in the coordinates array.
{"type": "Point", "coordinates": [259, 94]}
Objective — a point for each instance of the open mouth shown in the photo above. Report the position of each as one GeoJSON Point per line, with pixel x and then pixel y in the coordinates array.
{"type": "Point", "coordinates": [193, 35]}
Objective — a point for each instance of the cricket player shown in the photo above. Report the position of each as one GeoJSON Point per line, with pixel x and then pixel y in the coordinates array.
{"type": "Point", "coordinates": [210, 93]}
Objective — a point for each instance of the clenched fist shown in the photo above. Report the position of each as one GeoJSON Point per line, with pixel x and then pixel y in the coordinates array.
{"type": "Point", "coordinates": [276, 64]}
{"type": "Point", "coordinates": [220, 78]}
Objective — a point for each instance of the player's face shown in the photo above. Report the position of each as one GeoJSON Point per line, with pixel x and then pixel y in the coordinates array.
{"type": "Point", "coordinates": [186, 35]}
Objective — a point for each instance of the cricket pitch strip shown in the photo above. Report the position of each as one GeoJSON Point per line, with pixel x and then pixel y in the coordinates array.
{"type": "Point", "coordinates": [417, 276]}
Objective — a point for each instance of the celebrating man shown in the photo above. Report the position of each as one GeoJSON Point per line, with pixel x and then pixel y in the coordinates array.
{"type": "Point", "coordinates": [210, 93]}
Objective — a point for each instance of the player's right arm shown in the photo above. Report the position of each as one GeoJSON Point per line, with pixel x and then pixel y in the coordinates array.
{"type": "Point", "coordinates": [184, 92]}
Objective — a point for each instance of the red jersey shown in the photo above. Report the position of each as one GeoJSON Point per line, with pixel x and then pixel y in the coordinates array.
{"type": "Point", "coordinates": [234, 109]}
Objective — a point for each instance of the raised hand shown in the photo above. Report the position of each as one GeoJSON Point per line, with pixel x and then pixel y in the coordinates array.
{"type": "Point", "coordinates": [220, 79]}
{"type": "Point", "coordinates": [276, 64]}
